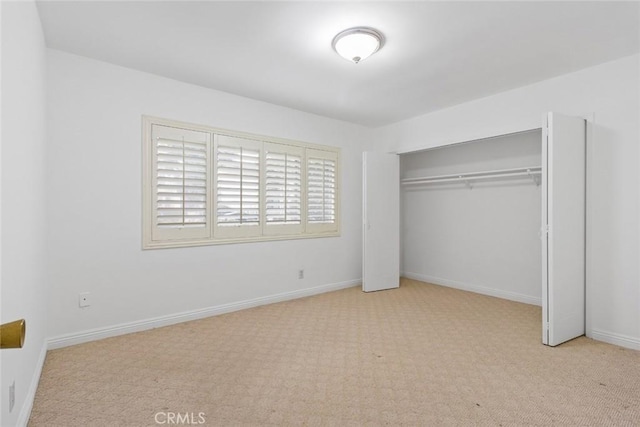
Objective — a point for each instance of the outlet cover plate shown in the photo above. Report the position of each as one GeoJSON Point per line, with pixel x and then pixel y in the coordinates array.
{"type": "Point", "coordinates": [84, 299]}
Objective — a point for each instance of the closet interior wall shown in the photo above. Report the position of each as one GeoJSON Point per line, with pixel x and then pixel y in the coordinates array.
{"type": "Point", "coordinates": [482, 236]}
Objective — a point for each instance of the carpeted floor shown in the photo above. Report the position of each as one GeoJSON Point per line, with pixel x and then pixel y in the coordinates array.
{"type": "Point", "coordinates": [419, 355]}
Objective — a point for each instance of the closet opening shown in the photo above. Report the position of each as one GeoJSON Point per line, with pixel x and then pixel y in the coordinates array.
{"type": "Point", "coordinates": [470, 216]}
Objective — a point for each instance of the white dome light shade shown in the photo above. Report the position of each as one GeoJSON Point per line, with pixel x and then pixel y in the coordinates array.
{"type": "Point", "coordinates": [356, 44]}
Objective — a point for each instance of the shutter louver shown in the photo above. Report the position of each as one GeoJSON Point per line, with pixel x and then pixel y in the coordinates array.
{"type": "Point", "coordinates": [283, 188]}
{"type": "Point", "coordinates": [238, 186]}
{"type": "Point", "coordinates": [181, 183]}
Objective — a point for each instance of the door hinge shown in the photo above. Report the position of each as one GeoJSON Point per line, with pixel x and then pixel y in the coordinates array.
{"type": "Point", "coordinates": [544, 231]}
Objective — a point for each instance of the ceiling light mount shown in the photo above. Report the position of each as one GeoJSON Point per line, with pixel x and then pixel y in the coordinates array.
{"type": "Point", "coordinates": [358, 43]}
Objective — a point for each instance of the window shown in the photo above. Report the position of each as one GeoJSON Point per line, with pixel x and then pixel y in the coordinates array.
{"type": "Point", "coordinates": [180, 183]}
{"type": "Point", "coordinates": [238, 182]}
{"type": "Point", "coordinates": [205, 186]}
{"type": "Point", "coordinates": [321, 190]}
{"type": "Point", "coordinates": [283, 189]}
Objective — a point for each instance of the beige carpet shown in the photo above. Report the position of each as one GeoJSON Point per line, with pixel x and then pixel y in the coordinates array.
{"type": "Point", "coordinates": [418, 355]}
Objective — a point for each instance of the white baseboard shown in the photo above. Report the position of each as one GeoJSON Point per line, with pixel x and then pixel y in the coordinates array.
{"type": "Point", "coordinates": [513, 296]}
{"type": "Point", "coordinates": [613, 338]}
{"type": "Point", "coordinates": [27, 406]}
{"type": "Point", "coordinates": [171, 319]}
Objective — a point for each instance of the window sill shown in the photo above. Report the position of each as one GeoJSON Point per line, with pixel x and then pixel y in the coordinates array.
{"type": "Point", "coordinates": [213, 242]}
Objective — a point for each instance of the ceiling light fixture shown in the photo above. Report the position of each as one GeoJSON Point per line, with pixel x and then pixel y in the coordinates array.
{"type": "Point", "coordinates": [356, 44]}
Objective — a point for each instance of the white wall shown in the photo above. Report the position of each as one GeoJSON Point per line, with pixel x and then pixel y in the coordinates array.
{"type": "Point", "coordinates": [484, 239]}
{"type": "Point", "coordinates": [94, 202]}
{"type": "Point", "coordinates": [611, 92]}
{"type": "Point", "coordinates": [23, 279]}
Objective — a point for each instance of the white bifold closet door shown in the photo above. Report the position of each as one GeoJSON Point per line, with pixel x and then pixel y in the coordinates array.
{"type": "Point", "coordinates": [563, 228]}
{"type": "Point", "coordinates": [381, 221]}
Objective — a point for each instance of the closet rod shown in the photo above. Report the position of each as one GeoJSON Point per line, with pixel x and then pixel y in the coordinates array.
{"type": "Point", "coordinates": [532, 172]}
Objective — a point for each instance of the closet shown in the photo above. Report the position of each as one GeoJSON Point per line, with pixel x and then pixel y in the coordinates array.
{"type": "Point", "coordinates": [471, 216]}
{"type": "Point", "coordinates": [502, 216]}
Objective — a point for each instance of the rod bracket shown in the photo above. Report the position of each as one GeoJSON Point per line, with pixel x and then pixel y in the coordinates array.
{"type": "Point", "coordinates": [534, 177]}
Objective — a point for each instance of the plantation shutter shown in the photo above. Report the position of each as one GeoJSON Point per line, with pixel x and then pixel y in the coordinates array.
{"type": "Point", "coordinates": [283, 188]}
{"type": "Point", "coordinates": [180, 163]}
{"type": "Point", "coordinates": [204, 186]}
{"type": "Point", "coordinates": [322, 191]}
{"type": "Point", "coordinates": [238, 179]}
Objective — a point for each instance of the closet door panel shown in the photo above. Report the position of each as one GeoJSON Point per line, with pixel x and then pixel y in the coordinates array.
{"type": "Point", "coordinates": [381, 221]}
{"type": "Point", "coordinates": [563, 294]}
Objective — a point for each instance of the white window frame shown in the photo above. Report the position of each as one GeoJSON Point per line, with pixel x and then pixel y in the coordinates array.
{"type": "Point", "coordinates": [154, 237]}
{"type": "Point", "coordinates": [320, 228]}
{"type": "Point", "coordinates": [239, 230]}
{"type": "Point", "coordinates": [285, 229]}
{"type": "Point", "coordinates": [175, 133]}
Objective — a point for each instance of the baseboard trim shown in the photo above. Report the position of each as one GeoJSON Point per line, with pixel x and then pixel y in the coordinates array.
{"type": "Point", "coordinates": [157, 322]}
{"type": "Point", "coordinates": [27, 406]}
{"type": "Point", "coordinates": [512, 296]}
{"type": "Point", "coordinates": [616, 339]}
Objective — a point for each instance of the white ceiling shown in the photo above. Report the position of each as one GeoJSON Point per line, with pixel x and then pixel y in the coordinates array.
{"type": "Point", "coordinates": [437, 54]}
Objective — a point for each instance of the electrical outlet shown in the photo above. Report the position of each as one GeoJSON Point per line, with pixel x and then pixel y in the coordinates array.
{"type": "Point", "coordinates": [84, 300]}
{"type": "Point", "coordinates": [301, 274]}
{"type": "Point", "coordinates": [12, 395]}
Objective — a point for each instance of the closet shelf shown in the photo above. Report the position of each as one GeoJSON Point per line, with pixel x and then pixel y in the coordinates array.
{"type": "Point", "coordinates": [532, 172]}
